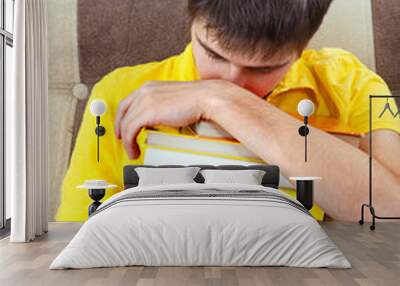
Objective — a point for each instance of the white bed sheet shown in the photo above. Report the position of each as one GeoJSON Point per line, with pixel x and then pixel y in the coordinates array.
{"type": "Point", "coordinates": [189, 231]}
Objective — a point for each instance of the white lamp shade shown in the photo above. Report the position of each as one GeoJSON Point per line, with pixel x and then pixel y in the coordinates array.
{"type": "Point", "coordinates": [98, 107]}
{"type": "Point", "coordinates": [305, 107]}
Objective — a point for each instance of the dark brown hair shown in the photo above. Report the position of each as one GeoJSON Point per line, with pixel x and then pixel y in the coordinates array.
{"type": "Point", "coordinates": [261, 27]}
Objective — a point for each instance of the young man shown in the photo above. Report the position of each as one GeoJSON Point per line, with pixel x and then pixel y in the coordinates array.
{"type": "Point", "coordinates": [246, 71]}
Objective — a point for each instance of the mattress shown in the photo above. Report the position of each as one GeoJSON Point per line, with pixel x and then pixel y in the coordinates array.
{"type": "Point", "coordinates": [201, 225]}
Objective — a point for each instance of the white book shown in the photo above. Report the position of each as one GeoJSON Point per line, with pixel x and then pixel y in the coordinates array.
{"type": "Point", "coordinates": [199, 144]}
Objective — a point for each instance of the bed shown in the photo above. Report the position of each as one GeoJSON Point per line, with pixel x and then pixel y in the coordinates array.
{"type": "Point", "coordinates": [201, 223]}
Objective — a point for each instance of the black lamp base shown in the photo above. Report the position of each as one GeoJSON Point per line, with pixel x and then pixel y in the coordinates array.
{"type": "Point", "coordinates": [303, 131]}
{"type": "Point", "coordinates": [96, 195]}
{"type": "Point", "coordinates": [100, 130]}
{"type": "Point", "coordinates": [305, 193]}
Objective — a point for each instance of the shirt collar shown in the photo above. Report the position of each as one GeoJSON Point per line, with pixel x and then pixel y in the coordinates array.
{"type": "Point", "coordinates": [185, 68]}
{"type": "Point", "coordinates": [298, 77]}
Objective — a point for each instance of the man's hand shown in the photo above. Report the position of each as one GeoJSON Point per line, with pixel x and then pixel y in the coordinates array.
{"type": "Point", "coordinates": [170, 103]}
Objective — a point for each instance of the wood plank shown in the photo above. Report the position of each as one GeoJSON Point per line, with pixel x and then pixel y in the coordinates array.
{"type": "Point", "coordinates": [375, 257]}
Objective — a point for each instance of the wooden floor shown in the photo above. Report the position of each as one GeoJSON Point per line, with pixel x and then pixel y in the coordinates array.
{"type": "Point", "coordinates": [375, 257]}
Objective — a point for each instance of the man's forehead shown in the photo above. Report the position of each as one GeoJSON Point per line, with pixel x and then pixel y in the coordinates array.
{"type": "Point", "coordinates": [256, 59]}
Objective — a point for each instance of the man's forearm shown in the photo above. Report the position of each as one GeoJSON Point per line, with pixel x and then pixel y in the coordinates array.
{"type": "Point", "coordinates": [273, 135]}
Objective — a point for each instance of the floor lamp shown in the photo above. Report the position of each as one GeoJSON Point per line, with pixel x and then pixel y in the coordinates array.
{"type": "Point", "coordinates": [369, 205]}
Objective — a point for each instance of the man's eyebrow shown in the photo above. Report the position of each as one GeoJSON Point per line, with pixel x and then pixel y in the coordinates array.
{"type": "Point", "coordinates": [208, 49]}
{"type": "Point", "coordinates": [267, 67]}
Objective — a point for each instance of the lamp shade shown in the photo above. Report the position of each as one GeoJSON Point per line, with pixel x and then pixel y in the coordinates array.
{"type": "Point", "coordinates": [98, 107]}
{"type": "Point", "coordinates": [305, 107]}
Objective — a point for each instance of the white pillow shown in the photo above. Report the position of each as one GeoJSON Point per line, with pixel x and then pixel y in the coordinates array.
{"type": "Point", "coordinates": [248, 177]}
{"type": "Point", "coordinates": [161, 176]}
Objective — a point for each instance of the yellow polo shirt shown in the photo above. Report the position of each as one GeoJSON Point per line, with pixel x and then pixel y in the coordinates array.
{"type": "Point", "coordinates": [333, 79]}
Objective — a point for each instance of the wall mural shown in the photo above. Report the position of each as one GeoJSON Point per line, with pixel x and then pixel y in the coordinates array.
{"type": "Point", "coordinates": [89, 39]}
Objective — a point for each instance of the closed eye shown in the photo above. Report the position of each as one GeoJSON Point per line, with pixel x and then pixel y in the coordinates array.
{"type": "Point", "coordinates": [215, 56]}
{"type": "Point", "coordinates": [265, 70]}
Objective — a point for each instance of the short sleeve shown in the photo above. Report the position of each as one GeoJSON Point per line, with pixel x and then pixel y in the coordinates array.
{"type": "Point", "coordinates": [352, 82]}
{"type": "Point", "coordinates": [341, 86]}
{"type": "Point", "coordinates": [384, 111]}
{"type": "Point", "coordinates": [83, 165]}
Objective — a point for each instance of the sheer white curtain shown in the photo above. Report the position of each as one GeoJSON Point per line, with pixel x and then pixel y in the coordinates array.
{"type": "Point", "coordinates": [26, 119]}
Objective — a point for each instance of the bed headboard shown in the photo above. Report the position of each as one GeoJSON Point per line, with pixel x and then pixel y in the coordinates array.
{"type": "Point", "coordinates": [270, 179]}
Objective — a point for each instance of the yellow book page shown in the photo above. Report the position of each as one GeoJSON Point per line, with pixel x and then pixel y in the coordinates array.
{"type": "Point", "coordinates": [187, 134]}
{"type": "Point", "coordinates": [167, 129]}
